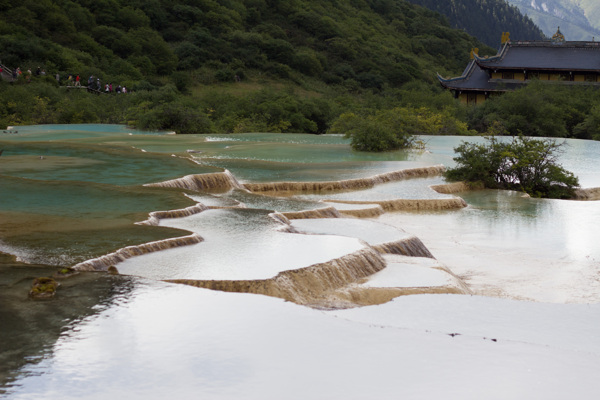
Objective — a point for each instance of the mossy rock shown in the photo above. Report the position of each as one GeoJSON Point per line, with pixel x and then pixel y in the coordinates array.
{"type": "Point", "coordinates": [113, 270]}
{"type": "Point", "coordinates": [43, 288]}
{"type": "Point", "coordinates": [65, 273]}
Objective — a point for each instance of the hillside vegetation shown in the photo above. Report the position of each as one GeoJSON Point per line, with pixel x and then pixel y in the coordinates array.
{"type": "Point", "coordinates": [233, 66]}
{"type": "Point", "coordinates": [363, 43]}
{"type": "Point", "coordinates": [226, 65]}
{"type": "Point", "coordinates": [486, 19]}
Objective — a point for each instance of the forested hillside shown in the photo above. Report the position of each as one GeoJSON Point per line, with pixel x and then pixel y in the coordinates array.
{"type": "Point", "coordinates": [578, 19]}
{"type": "Point", "coordinates": [224, 65]}
{"type": "Point", "coordinates": [255, 66]}
{"type": "Point", "coordinates": [485, 19]}
{"type": "Point", "coordinates": [369, 43]}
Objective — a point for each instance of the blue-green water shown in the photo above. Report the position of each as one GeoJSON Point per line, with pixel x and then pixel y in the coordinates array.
{"type": "Point", "coordinates": [70, 193]}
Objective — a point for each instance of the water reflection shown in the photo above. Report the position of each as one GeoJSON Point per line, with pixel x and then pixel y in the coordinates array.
{"type": "Point", "coordinates": [506, 245]}
{"type": "Point", "coordinates": [30, 328]}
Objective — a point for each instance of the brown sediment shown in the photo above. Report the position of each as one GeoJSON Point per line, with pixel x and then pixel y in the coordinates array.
{"type": "Point", "coordinates": [411, 204]}
{"type": "Point", "coordinates": [104, 262]}
{"type": "Point", "coordinates": [456, 187]}
{"type": "Point", "coordinates": [326, 212]}
{"type": "Point", "coordinates": [349, 184]}
{"type": "Point", "coordinates": [587, 194]}
{"type": "Point", "coordinates": [217, 182]}
{"type": "Point", "coordinates": [155, 216]}
{"type": "Point", "coordinates": [363, 296]}
{"type": "Point", "coordinates": [307, 286]}
{"type": "Point", "coordinates": [411, 246]}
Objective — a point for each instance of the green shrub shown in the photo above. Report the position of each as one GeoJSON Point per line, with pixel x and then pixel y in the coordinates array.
{"type": "Point", "coordinates": [524, 164]}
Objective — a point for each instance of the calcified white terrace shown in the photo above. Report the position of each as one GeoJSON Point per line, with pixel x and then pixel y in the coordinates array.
{"type": "Point", "coordinates": [155, 340]}
{"type": "Point", "coordinates": [238, 244]}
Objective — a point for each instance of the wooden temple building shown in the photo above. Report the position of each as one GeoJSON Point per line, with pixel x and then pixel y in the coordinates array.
{"type": "Point", "coordinates": [519, 62]}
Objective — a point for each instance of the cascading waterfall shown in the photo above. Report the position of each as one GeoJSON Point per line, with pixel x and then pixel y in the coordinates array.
{"type": "Point", "coordinates": [411, 246]}
{"type": "Point", "coordinates": [327, 212]}
{"type": "Point", "coordinates": [215, 182]}
{"type": "Point", "coordinates": [155, 216]}
{"type": "Point", "coordinates": [349, 184]}
{"type": "Point", "coordinates": [307, 286]}
{"type": "Point", "coordinates": [102, 263]}
{"type": "Point", "coordinates": [279, 217]}
{"type": "Point", "coordinates": [411, 204]}
{"type": "Point", "coordinates": [365, 212]}
{"type": "Point", "coordinates": [455, 187]}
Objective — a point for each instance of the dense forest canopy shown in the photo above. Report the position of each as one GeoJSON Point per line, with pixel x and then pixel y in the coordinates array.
{"type": "Point", "coordinates": [486, 19]}
{"type": "Point", "coordinates": [198, 66]}
{"type": "Point", "coordinates": [368, 43]}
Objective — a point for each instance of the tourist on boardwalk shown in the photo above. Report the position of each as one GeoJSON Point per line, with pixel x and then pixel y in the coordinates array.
{"type": "Point", "coordinates": [77, 83]}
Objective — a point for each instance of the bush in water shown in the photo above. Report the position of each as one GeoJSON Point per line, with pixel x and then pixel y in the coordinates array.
{"type": "Point", "coordinates": [524, 164]}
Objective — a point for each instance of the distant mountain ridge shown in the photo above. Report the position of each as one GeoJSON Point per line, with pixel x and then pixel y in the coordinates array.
{"type": "Point", "coordinates": [486, 19]}
{"type": "Point", "coordinates": [578, 19]}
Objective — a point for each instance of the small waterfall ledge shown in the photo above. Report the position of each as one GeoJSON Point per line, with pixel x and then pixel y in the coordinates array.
{"type": "Point", "coordinates": [349, 184]}
{"type": "Point", "coordinates": [587, 194]}
{"type": "Point", "coordinates": [214, 182]}
{"type": "Point", "coordinates": [326, 212]}
{"type": "Point", "coordinates": [411, 204]}
{"type": "Point", "coordinates": [411, 246]}
{"type": "Point", "coordinates": [336, 283]}
{"type": "Point", "coordinates": [155, 216]}
{"type": "Point", "coordinates": [456, 187]}
{"type": "Point", "coordinates": [374, 210]}
{"type": "Point", "coordinates": [306, 286]}
{"type": "Point", "coordinates": [104, 262]}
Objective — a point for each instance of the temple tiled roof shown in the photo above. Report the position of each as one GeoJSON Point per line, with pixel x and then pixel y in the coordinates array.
{"type": "Point", "coordinates": [475, 78]}
{"type": "Point", "coordinates": [545, 55]}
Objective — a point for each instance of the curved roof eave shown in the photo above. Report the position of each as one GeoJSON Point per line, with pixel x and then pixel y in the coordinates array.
{"type": "Point", "coordinates": [467, 72]}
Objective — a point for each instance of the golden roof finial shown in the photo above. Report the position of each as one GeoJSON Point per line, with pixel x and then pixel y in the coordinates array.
{"type": "Point", "coordinates": [505, 37]}
{"type": "Point", "coordinates": [558, 36]}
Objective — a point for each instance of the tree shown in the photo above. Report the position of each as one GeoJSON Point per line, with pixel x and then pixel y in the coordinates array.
{"type": "Point", "coordinates": [396, 128]}
{"type": "Point", "coordinates": [524, 164]}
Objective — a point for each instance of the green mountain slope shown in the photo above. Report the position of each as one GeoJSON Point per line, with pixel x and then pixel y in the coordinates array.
{"type": "Point", "coordinates": [485, 19]}
{"type": "Point", "coordinates": [578, 19]}
{"type": "Point", "coordinates": [366, 43]}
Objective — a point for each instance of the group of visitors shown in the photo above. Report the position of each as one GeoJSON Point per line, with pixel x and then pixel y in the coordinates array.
{"type": "Point", "coordinates": [94, 84]}
{"type": "Point", "coordinates": [17, 73]}
{"type": "Point", "coordinates": [73, 80]}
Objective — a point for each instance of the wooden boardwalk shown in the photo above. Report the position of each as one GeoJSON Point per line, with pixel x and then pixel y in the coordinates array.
{"type": "Point", "coordinates": [7, 74]}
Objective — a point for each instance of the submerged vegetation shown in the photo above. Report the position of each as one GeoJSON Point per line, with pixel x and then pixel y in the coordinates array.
{"type": "Point", "coordinates": [525, 164]}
